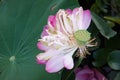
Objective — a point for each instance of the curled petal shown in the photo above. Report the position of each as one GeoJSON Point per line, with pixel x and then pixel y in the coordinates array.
{"type": "Point", "coordinates": [64, 22]}
{"type": "Point", "coordinates": [76, 18]}
{"type": "Point", "coordinates": [52, 20]}
{"type": "Point", "coordinates": [61, 16]}
{"type": "Point", "coordinates": [69, 11]}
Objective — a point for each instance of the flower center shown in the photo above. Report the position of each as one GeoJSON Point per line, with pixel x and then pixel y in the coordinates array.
{"type": "Point", "coordinates": [82, 36]}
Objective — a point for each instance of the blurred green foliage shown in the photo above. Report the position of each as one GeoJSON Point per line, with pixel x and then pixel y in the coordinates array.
{"type": "Point", "coordinates": [114, 60]}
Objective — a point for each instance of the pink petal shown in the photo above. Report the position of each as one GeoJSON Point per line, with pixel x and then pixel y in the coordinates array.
{"type": "Point", "coordinates": [66, 23]}
{"type": "Point", "coordinates": [52, 20]}
{"type": "Point", "coordinates": [61, 16]}
{"type": "Point", "coordinates": [55, 64]}
{"type": "Point", "coordinates": [85, 71]}
{"type": "Point", "coordinates": [89, 74]}
{"type": "Point", "coordinates": [41, 61]}
{"type": "Point", "coordinates": [75, 10]}
{"type": "Point", "coordinates": [86, 19]}
{"type": "Point", "coordinates": [76, 18]}
{"type": "Point", "coordinates": [68, 62]}
{"type": "Point", "coordinates": [99, 76]}
{"type": "Point", "coordinates": [69, 11]}
{"type": "Point", "coordinates": [42, 46]}
{"type": "Point", "coordinates": [85, 77]}
{"type": "Point", "coordinates": [44, 33]}
{"type": "Point", "coordinates": [42, 58]}
{"type": "Point", "coordinates": [79, 18]}
{"type": "Point", "coordinates": [84, 74]}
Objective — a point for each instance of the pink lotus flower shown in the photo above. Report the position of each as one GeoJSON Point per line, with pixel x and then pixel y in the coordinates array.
{"type": "Point", "coordinates": [88, 74]}
{"type": "Point", "coordinates": [65, 33]}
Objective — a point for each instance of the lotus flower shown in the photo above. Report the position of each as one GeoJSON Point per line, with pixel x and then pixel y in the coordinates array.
{"type": "Point", "coordinates": [65, 33]}
{"type": "Point", "coordinates": [88, 74]}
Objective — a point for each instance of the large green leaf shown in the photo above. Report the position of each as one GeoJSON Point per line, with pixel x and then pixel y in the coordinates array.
{"type": "Point", "coordinates": [114, 60]}
{"type": "Point", "coordinates": [100, 4]}
{"type": "Point", "coordinates": [102, 26]}
{"type": "Point", "coordinates": [112, 75]}
{"type": "Point", "coordinates": [101, 57]}
{"type": "Point", "coordinates": [118, 76]}
{"type": "Point", "coordinates": [21, 23]}
{"type": "Point", "coordinates": [113, 19]}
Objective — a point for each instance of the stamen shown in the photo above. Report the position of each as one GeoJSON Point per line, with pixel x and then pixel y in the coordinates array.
{"type": "Point", "coordinates": [83, 51]}
{"type": "Point", "coordinates": [90, 41]}
{"type": "Point", "coordinates": [92, 45]}
{"type": "Point", "coordinates": [87, 51]}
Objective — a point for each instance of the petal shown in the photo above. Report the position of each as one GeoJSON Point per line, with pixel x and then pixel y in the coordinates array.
{"type": "Point", "coordinates": [42, 46]}
{"type": "Point", "coordinates": [75, 10]}
{"type": "Point", "coordinates": [68, 60]}
{"type": "Point", "coordinates": [69, 11]}
{"type": "Point", "coordinates": [83, 77]}
{"type": "Point", "coordinates": [76, 18]}
{"type": "Point", "coordinates": [55, 64]}
{"type": "Point", "coordinates": [67, 23]}
{"type": "Point", "coordinates": [62, 21]}
{"type": "Point", "coordinates": [84, 74]}
{"type": "Point", "coordinates": [79, 18]}
{"type": "Point", "coordinates": [98, 75]}
{"type": "Point", "coordinates": [42, 58]}
{"type": "Point", "coordinates": [86, 19]}
{"type": "Point", "coordinates": [44, 33]}
{"type": "Point", "coordinates": [85, 71]}
{"type": "Point", "coordinates": [41, 61]}
{"type": "Point", "coordinates": [52, 21]}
